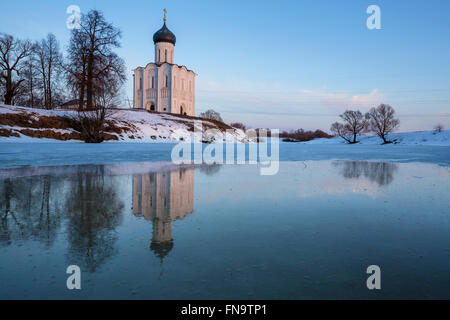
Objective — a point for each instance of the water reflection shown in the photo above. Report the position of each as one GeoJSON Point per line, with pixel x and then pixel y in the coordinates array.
{"type": "Point", "coordinates": [83, 205]}
{"type": "Point", "coordinates": [211, 169]}
{"type": "Point", "coordinates": [27, 212]}
{"type": "Point", "coordinates": [381, 173]}
{"type": "Point", "coordinates": [162, 197]}
{"type": "Point", "coordinates": [117, 222]}
{"type": "Point", "coordinates": [94, 213]}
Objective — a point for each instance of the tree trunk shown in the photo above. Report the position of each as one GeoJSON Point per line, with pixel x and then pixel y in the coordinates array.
{"type": "Point", "coordinates": [8, 98]}
{"type": "Point", "coordinates": [82, 79]}
{"type": "Point", "coordinates": [44, 84]}
{"type": "Point", "coordinates": [81, 100]}
{"type": "Point", "coordinates": [49, 105]}
{"type": "Point", "coordinates": [89, 80]}
{"type": "Point", "coordinates": [8, 94]}
{"type": "Point", "coordinates": [31, 92]}
{"type": "Point", "coordinates": [49, 99]}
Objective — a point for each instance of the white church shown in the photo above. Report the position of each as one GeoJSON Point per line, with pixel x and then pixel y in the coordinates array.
{"type": "Point", "coordinates": [164, 86]}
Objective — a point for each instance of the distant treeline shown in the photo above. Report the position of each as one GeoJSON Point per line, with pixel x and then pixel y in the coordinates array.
{"type": "Point", "coordinates": [301, 135]}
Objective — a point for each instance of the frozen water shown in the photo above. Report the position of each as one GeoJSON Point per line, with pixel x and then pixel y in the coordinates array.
{"type": "Point", "coordinates": [52, 154]}
{"type": "Point", "coordinates": [158, 231]}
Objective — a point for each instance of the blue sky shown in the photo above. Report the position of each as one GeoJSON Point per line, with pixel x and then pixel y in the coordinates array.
{"type": "Point", "coordinates": [282, 64]}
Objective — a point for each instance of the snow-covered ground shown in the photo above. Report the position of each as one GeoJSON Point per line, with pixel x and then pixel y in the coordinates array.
{"type": "Point", "coordinates": [422, 138]}
{"type": "Point", "coordinates": [162, 128]}
{"type": "Point", "coordinates": [144, 126]}
{"type": "Point", "coordinates": [429, 147]}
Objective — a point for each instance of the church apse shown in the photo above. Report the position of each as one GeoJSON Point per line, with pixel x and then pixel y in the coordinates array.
{"type": "Point", "coordinates": [162, 197]}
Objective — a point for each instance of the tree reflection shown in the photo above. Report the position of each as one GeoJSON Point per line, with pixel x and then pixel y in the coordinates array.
{"type": "Point", "coordinates": [210, 169]}
{"type": "Point", "coordinates": [93, 212]}
{"type": "Point", "coordinates": [381, 173]}
{"type": "Point", "coordinates": [82, 204]}
{"type": "Point", "coordinates": [27, 211]}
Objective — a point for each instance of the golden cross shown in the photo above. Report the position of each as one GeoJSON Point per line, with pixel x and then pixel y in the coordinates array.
{"type": "Point", "coordinates": [165, 12]}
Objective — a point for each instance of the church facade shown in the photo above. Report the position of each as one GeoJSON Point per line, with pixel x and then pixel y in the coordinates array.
{"type": "Point", "coordinates": [163, 86]}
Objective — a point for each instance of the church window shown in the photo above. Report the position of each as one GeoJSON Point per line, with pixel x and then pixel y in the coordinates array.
{"type": "Point", "coordinates": [167, 81]}
{"type": "Point", "coordinates": [166, 55]}
{"type": "Point", "coordinates": [153, 82]}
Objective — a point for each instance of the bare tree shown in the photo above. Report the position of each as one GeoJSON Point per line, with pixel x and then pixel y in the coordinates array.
{"type": "Point", "coordinates": [13, 53]}
{"type": "Point", "coordinates": [341, 131]}
{"type": "Point", "coordinates": [439, 127]}
{"type": "Point", "coordinates": [354, 124]}
{"type": "Point", "coordinates": [92, 123]}
{"type": "Point", "coordinates": [106, 97]}
{"type": "Point", "coordinates": [31, 95]}
{"type": "Point", "coordinates": [2, 89]}
{"type": "Point", "coordinates": [383, 121]}
{"type": "Point", "coordinates": [211, 115]}
{"type": "Point", "coordinates": [92, 57]}
{"type": "Point", "coordinates": [50, 65]}
{"type": "Point", "coordinates": [77, 65]}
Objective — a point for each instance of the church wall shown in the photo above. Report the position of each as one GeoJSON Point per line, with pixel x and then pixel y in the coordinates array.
{"type": "Point", "coordinates": [180, 91]}
{"type": "Point", "coordinates": [151, 87]}
{"type": "Point", "coordinates": [138, 88]}
{"type": "Point", "coordinates": [183, 91]}
{"type": "Point", "coordinates": [164, 88]}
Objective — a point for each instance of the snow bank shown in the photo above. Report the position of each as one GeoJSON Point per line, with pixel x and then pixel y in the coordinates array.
{"type": "Point", "coordinates": [422, 138]}
{"type": "Point", "coordinates": [138, 126]}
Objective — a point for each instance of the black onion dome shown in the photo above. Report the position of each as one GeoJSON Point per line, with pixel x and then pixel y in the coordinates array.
{"type": "Point", "coordinates": [164, 35]}
{"type": "Point", "coordinates": [161, 249]}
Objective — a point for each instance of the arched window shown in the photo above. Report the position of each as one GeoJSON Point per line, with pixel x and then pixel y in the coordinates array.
{"type": "Point", "coordinates": [166, 56]}
{"type": "Point", "coordinates": [153, 82]}
{"type": "Point", "coordinates": [159, 55]}
{"type": "Point", "coordinates": [167, 81]}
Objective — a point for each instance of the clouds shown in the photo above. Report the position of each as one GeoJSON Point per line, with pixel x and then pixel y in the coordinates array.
{"type": "Point", "coordinates": [343, 101]}
{"type": "Point", "coordinates": [277, 106]}
{"type": "Point", "coordinates": [266, 99]}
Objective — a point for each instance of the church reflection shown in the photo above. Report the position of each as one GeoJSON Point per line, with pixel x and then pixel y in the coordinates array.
{"type": "Point", "coordinates": [162, 197]}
